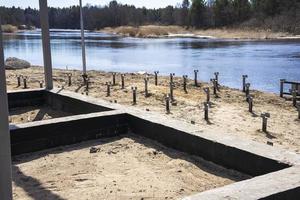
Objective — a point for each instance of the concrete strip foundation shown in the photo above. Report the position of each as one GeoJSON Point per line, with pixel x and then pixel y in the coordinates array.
{"type": "Point", "coordinates": [275, 171]}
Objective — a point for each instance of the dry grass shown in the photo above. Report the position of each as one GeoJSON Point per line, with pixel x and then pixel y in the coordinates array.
{"type": "Point", "coordinates": [154, 31]}
{"type": "Point", "coordinates": [9, 28]}
{"type": "Point", "coordinates": [145, 31]}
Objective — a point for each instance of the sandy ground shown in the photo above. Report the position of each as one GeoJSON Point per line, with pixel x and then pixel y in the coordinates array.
{"type": "Point", "coordinates": [228, 113]}
{"type": "Point", "coordinates": [36, 113]}
{"type": "Point", "coordinates": [153, 31]}
{"type": "Point", "coordinates": [130, 167]}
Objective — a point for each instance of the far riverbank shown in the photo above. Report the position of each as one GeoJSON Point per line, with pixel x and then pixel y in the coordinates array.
{"type": "Point", "coordinates": [155, 31]}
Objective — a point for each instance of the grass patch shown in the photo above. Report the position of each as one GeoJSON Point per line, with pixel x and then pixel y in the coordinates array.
{"type": "Point", "coordinates": [9, 28]}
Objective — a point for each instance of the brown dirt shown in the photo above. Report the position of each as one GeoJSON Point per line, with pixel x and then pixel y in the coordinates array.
{"type": "Point", "coordinates": [130, 167]}
{"type": "Point", "coordinates": [228, 115]}
{"type": "Point", "coordinates": [36, 113]}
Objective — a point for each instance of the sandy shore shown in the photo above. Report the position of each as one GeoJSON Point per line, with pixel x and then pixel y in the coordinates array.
{"type": "Point", "coordinates": [228, 115]}
{"type": "Point", "coordinates": [153, 31]}
{"type": "Point", "coordinates": [130, 167]}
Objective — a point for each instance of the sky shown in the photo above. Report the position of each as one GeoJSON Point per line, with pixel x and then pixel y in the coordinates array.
{"type": "Point", "coordinates": [67, 3]}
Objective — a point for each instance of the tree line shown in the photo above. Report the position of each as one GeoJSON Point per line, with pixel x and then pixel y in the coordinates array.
{"type": "Point", "coordinates": [277, 15]}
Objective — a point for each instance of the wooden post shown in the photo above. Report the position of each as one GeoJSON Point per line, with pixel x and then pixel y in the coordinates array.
{"type": "Point", "coordinates": [281, 87]}
{"type": "Point", "coordinates": [5, 148]}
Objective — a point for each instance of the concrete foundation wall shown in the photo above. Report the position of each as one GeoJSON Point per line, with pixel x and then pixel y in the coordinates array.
{"type": "Point", "coordinates": [71, 105]}
{"type": "Point", "coordinates": [53, 100]}
{"type": "Point", "coordinates": [25, 98]}
{"type": "Point", "coordinates": [72, 130]}
{"type": "Point", "coordinates": [289, 194]}
{"type": "Point", "coordinates": [276, 171]}
{"type": "Point", "coordinates": [221, 154]}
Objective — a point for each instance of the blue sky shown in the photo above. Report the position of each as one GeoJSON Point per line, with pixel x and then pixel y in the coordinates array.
{"type": "Point", "coordinates": [66, 3]}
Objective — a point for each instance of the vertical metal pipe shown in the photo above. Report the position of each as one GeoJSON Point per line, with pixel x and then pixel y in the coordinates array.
{"type": "Point", "coordinates": [5, 152]}
{"type": "Point", "coordinates": [82, 39]}
{"type": "Point", "coordinates": [46, 44]}
{"type": "Point", "coordinates": [244, 82]}
{"type": "Point", "coordinates": [168, 104]}
{"type": "Point", "coordinates": [156, 81]}
{"type": "Point", "coordinates": [123, 81]}
{"type": "Point", "coordinates": [185, 83]}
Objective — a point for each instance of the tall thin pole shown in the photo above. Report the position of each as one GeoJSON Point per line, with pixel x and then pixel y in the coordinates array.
{"type": "Point", "coordinates": [46, 44]}
{"type": "Point", "coordinates": [82, 39]}
{"type": "Point", "coordinates": [5, 153]}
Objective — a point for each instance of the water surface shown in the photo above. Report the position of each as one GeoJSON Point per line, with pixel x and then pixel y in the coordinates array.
{"type": "Point", "coordinates": [265, 62]}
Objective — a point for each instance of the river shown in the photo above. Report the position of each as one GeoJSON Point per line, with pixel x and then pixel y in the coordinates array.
{"type": "Point", "coordinates": [265, 62]}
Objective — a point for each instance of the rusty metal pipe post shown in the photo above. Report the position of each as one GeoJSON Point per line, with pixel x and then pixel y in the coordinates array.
{"type": "Point", "coordinates": [19, 80]}
{"type": "Point", "coordinates": [247, 89]}
{"type": "Point", "coordinates": [108, 84]}
{"type": "Point", "coordinates": [265, 117]}
{"type": "Point", "coordinates": [69, 80]}
{"type": "Point", "coordinates": [156, 77]}
{"type": "Point", "coordinates": [207, 91]}
{"type": "Point", "coordinates": [196, 78]}
{"type": "Point", "coordinates": [217, 77]}
{"type": "Point", "coordinates": [146, 80]}
{"type": "Point", "coordinates": [123, 81]}
{"type": "Point", "coordinates": [185, 77]}
{"type": "Point", "coordinates": [206, 106]}
{"type": "Point", "coordinates": [114, 78]}
{"type": "Point", "coordinates": [134, 90]}
{"type": "Point", "coordinates": [244, 82]}
{"type": "Point", "coordinates": [294, 94]}
{"type": "Point", "coordinates": [25, 82]}
{"type": "Point", "coordinates": [250, 103]}
{"type": "Point", "coordinates": [167, 104]}
{"type": "Point", "coordinates": [172, 92]}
